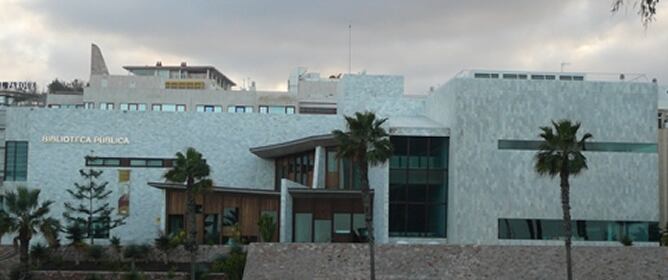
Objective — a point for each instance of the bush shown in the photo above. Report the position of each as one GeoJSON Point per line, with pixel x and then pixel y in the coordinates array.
{"type": "Point", "coordinates": [267, 227]}
{"type": "Point", "coordinates": [93, 277]}
{"type": "Point", "coordinates": [96, 252]}
{"type": "Point", "coordinates": [39, 253]}
{"type": "Point", "coordinates": [135, 252]}
{"type": "Point", "coordinates": [19, 273]}
{"type": "Point", "coordinates": [233, 265]}
{"type": "Point", "coordinates": [133, 275]}
{"type": "Point", "coordinates": [626, 240]}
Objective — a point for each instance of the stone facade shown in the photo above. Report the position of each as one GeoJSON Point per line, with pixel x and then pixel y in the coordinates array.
{"type": "Point", "coordinates": [350, 261]}
{"type": "Point", "coordinates": [486, 184]}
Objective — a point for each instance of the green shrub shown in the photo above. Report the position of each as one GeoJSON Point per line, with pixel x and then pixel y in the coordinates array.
{"type": "Point", "coordinates": [136, 252]}
{"type": "Point", "coordinates": [133, 275]}
{"type": "Point", "coordinates": [233, 265]}
{"type": "Point", "coordinates": [96, 252]}
{"type": "Point", "coordinates": [39, 253]}
{"type": "Point", "coordinates": [626, 240]}
{"type": "Point", "coordinates": [267, 227]}
{"type": "Point", "coordinates": [93, 277]}
{"type": "Point", "coordinates": [19, 272]}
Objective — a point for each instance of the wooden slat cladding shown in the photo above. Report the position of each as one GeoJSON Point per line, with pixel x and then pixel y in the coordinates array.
{"type": "Point", "coordinates": [250, 208]}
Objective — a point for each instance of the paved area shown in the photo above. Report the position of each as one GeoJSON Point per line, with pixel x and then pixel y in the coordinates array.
{"type": "Point", "coordinates": [350, 261]}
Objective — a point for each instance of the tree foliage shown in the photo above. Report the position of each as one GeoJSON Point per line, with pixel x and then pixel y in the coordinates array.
{"type": "Point", "coordinates": [365, 142]}
{"type": "Point", "coordinates": [93, 211]}
{"type": "Point", "coordinates": [58, 85]}
{"type": "Point", "coordinates": [192, 170]}
{"type": "Point", "coordinates": [25, 216]}
{"type": "Point", "coordinates": [560, 153]}
{"type": "Point", "coordinates": [646, 9]}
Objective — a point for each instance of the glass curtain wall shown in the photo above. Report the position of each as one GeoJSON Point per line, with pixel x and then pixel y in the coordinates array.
{"type": "Point", "coordinates": [418, 187]}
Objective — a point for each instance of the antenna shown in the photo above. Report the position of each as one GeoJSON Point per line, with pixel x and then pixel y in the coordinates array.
{"type": "Point", "coordinates": [350, 38]}
{"type": "Point", "coordinates": [564, 64]}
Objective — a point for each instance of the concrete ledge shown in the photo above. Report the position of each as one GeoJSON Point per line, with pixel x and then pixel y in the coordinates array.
{"type": "Point", "coordinates": [350, 261]}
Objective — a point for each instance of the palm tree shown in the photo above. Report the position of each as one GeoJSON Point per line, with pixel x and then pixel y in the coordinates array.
{"type": "Point", "coordinates": [192, 170]}
{"type": "Point", "coordinates": [365, 143]}
{"type": "Point", "coordinates": [560, 153]}
{"type": "Point", "coordinates": [26, 217]}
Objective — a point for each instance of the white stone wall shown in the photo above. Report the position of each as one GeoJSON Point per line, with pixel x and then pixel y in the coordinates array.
{"type": "Point", "coordinates": [223, 138]}
{"type": "Point", "coordinates": [486, 183]}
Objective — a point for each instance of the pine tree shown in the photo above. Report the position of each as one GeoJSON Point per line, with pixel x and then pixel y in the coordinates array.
{"type": "Point", "coordinates": [93, 207]}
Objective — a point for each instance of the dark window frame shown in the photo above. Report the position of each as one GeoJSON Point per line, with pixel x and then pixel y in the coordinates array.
{"type": "Point", "coordinates": [127, 162]}
{"type": "Point", "coordinates": [12, 164]}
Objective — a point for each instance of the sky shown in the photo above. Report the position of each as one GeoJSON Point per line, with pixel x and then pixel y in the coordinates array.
{"type": "Point", "coordinates": [426, 41]}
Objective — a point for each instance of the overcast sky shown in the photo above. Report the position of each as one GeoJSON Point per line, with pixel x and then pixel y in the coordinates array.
{"type": "Point", "coordinates": [426, 41]}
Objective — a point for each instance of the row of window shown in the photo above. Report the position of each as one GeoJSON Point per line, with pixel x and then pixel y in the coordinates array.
{"type": "Point", "coordinates": [16, 161]}
{"type": "Point", "coordinates": [535, 229]}
{"type": "Point", "coordinates": [517, 76]}
{"type": "Point", "coordinates": [216, 228]}
{"type": "Point", "coordinates": [589, 146]}
{"type": "Point", "coordinates": [308, 229]}
{"type": "Point", "coordinates": [129, 162]}
{"type": "Point", "coordinates": [66, 106]}
{"type": "Point", "coordinates": [264, 109]}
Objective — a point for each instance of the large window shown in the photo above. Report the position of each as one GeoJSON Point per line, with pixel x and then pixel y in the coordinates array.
{"type": "Point", "coordinates": [129, 162]}
{"type": "Point", "coordinates": [16, 161]}
{"type": "Point", "coordinates": [418, 186]}
{"type": "Point", "coordinates": [303, 227]}
{"type": "Point", "coordinates": [297, 168]}
{"type": "Point", "coordinates": [532, 145]}
{"type": "Point", "coordinates": [106, 106]}
{"type": "Point", "coordinates": [211, 232]}
{"type": "Point", "coordinates": [341, 173]}
{"type": "Point", "coordinates": [586, 230]}
{"type": "Point", "coordinates": [175, 224]}
{"type": "Point", "coordinates": [239, 109]}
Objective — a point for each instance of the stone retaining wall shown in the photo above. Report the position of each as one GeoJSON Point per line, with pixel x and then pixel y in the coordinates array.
{"type": "Point", "coordinates": [83, 275]}
{"type": "Point", "coordinates": [350, 261]}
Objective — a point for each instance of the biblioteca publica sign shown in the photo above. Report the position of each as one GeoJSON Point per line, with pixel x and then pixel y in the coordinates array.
{"type": "Point", "coordinates": [104, 140]}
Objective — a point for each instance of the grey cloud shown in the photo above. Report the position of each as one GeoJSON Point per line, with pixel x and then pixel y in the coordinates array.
{"type": "Point", "coordinates": [427, 41]}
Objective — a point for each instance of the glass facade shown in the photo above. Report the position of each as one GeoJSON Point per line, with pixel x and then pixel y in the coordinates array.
{"type": "Point", "coordinates": [297, 168]}
{"type": "Point", "coordinates": [533, 145]}
{"type": "Point", "coordinates": [16, 161]}
{"type": "Point", "coordinates": [419, 186]}
{"type": "Point", "coordinates": [535, 229]}
{"type": "Point", "coordinates": [341, 173]}
{"type": "Point", "coordinates": [129, 162]}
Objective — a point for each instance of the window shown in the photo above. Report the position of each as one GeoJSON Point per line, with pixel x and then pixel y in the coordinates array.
{"type": "Point", "coordinates": [184, 84]}
{"type": "Point", "coordinates": [209, 108]}
{"type": "Point", "coordinates": [174, 224]}
{"type": "Point", "coordinates": [100, 228]}
{"type": "Point", "coordinates": [230, 216]}
{"type": "Point", "coordinates": [239, 109]}
{"type": "Point", "coordinates": [342, 223]}
{"type": "Point", "coordinates": [55, 106]}
{"type": "Point", "coordinates": [317, 110]}
{"type": "Point", "coordinates": [296, 167]}
{"type": "Point", "coordinates": [89, 105]}
{"type": "Point", "coordinates": [322, 231]}
{"type": "Point", "coordinates": [264, 109]}
{"type": "Point", "coordinates": [211, 232]}
{"type": "Point", "coordinates": [303, 227]}
{"type": "Point", "coordinates": [180, 108]}
{"type": "Point", "coordinates": [129, 162]}
{"type": "Point", "coordinates": [418, 187]}
{"type": "Point", "coordinates": [358, 222]}
{"type": "Point", "coordinates": [106, 106]}
{"type": "Point", "coordinates": [16, 161]}
{"type": "Point", "coordinates": [133, 107]}
{"type": "Point", "coordinates": [545, 229]}
{"type": "Point", "coordinates": [2, 203]}
{"type": "Point", "coordinates": [533, 145]}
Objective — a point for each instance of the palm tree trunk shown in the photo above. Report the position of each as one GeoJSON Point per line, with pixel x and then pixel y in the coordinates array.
{"type": "Point", "coordinates": [368, 219]}
{"type": "Point", "coordinates": [23, 250]}
{"type": "Point", "coordinates": [192, 228]}
{"type": "Point", "coordinates": [566, 207]}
